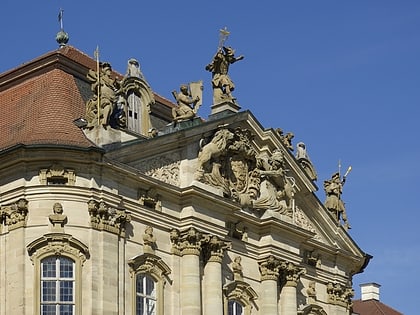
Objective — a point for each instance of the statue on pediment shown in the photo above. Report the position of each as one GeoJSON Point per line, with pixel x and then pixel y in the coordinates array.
{"type": "Point", "coordinates": [188, 99]}
{"type": "Point", "coordinates": [219, 67]}
{"type": "Point", "coordinates": [303, 158]}
{"type": "Point", "coordinates": [256, 181]}
{"type": "Point", "coordinates": [105, 103]}
{"type": "Point", "coordinates": [333, 189]}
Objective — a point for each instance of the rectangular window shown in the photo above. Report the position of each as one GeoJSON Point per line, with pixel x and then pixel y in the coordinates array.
{"type": "Point", "coordinates": [57, 286]}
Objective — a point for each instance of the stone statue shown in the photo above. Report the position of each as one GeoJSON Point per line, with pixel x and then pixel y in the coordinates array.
{"type": "Point", "coordinates": [237, 269]}
{"type": "Point", "coordinates": [186, 104]}
{"type": "Point", "coordinates": [105, 92]}
{"type": "Point", "coordinates": [333, 189]}
{"type": "Point", "coordinates": [57, 217]}
{"type": "Point", "coordinates": [274, 187]}
{"type": "Point", "coordinates": [303, 158]}
{"type": "Point", "coordinates": [286, 138]}
{"type": "Point", "coordinates": [311, 292]}
{"type": "Point", "coordinates": [219, 67]}
{"type": "Point", "coordinates": [149, 241]}
{"type": "Point", "coordinates": [133, 69]}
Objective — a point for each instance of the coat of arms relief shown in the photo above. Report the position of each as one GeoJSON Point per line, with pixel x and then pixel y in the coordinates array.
{"type": "Point", "coordinates": [258, 181]}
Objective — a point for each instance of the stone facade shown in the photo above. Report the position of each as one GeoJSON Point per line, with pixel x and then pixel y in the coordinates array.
{"type": "Point", "coordinates": [173, 211]}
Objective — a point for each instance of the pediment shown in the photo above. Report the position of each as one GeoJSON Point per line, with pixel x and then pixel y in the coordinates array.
{"type": "Point", "coordinates": [235, 159]}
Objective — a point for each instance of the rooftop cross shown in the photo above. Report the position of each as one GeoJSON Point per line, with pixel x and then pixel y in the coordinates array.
{"type": "Point", "coordinates": [223, 36]}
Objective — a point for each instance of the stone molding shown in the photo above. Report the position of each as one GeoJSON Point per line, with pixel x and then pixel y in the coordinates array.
{"type": "Point", "coordinates": [149, 264]}
{"type": "Point", "coordinates": [58, 244]}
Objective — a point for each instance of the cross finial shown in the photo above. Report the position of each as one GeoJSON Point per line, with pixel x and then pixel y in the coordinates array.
{"type": "Point", "coordinates": [60, 18]}
{"type": "Point", "coordinates": [223, 36]}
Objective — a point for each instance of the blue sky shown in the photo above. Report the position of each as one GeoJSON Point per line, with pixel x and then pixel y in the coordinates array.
{"type": "Point", "coordinates": [343, 76]}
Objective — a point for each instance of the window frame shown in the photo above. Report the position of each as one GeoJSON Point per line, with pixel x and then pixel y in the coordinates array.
{"type": "Point", "coordinates": [57, 279]}
{"type": "Point", "coordinates": [154, 267]}
{"type": "Point", "coordinates": [239, 292]}
{"type": "Point", "coordinates": [58, 245]}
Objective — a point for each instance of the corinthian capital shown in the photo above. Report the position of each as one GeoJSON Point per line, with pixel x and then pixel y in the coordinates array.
{"type": "Point", "coordinates": [214, 248]}
{"type": "Point", "coordinates": [291, 273]}
{"type": "Point", "coordinates": [269, 268]}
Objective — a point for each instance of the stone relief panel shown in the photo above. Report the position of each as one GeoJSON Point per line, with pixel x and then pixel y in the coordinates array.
{"type": "Point", "coordinates": [257, 181]}
{"type": "Point", "coordinates": [163, 167]}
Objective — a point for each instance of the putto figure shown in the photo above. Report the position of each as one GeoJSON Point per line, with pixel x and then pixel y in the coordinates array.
{"type": "Point", "coordinates": [219, 67]}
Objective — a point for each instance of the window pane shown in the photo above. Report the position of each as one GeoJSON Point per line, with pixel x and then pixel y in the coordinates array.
{"type": "Point", "coordinates": [139, 284]}
{"type": "Point", "coordinates": [48, 291]}
{"type": "Point", "coordinates": [150, 287]}
{"type": "Point", "coordinates": [151, 307]}
{"type": "Point", "coordinates": [66, 309]}
{"type": "Point", "coordinates": [48, 267]}
{"type": "Point", "coordinates": [66, 291]}
{"type": "Point", "coordinates": [66, 268]}
{"type": "Point", "coordinates": [48, 310]}
{"type": "Point", "coordinates": [235, 308]}
{"type": "Point", "coordinates": [140, 305]}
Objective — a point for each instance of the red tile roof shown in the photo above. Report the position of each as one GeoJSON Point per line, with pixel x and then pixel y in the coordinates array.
{"type": "Point", "coordinates": [373, 307]}
{"type": "Point", "coordinates": [41, 98]}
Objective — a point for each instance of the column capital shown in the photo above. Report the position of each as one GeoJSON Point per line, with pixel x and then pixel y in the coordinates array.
{"type": "Point", "coordinates": [291, 273]}
{"type": "Point", "coordinates": [214, 248]}
{"type": "Point", "coordinates": [269, 268]}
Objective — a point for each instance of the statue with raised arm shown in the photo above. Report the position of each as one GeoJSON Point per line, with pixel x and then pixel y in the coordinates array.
{"type": "Point", "coordinates": [219, 67]}
{"type": "Point", "coordinates": [333, 189]}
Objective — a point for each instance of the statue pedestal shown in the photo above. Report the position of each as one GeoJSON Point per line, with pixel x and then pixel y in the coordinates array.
{"type": "Point", "coordinates": [101, 136]}
{"type": "Point", "coordinates": [224, 108]}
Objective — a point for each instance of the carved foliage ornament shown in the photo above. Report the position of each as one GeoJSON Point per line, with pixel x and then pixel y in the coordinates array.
{"type": "Point", "coordinates": [104, 217]}
{"type": "Point", "coordinates": [15, 214]}
{"type": "Point", "coordinates": [257, 181]}
{"type": "Point", "coordinates": [339, 294]}
{"type": "Point", "coordinates": [193, 242]}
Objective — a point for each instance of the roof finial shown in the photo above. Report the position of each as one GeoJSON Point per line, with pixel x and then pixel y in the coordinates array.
{"type": "Point", "coordinates": [62, 37]}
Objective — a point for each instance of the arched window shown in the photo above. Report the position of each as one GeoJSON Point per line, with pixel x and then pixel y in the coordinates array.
{"type": "Point", "coordinates": [235, 308]}
{"type": "Point", "coordinates": [239, 298]}
{"type": "Point", "coordinates": [145, 295]}
{"type": "Point", "coordinates": [149, 273]}
{"type": "Point", "coordinates": [58, 259]}
{"type": "Point", "coordinates": [57, 285]}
